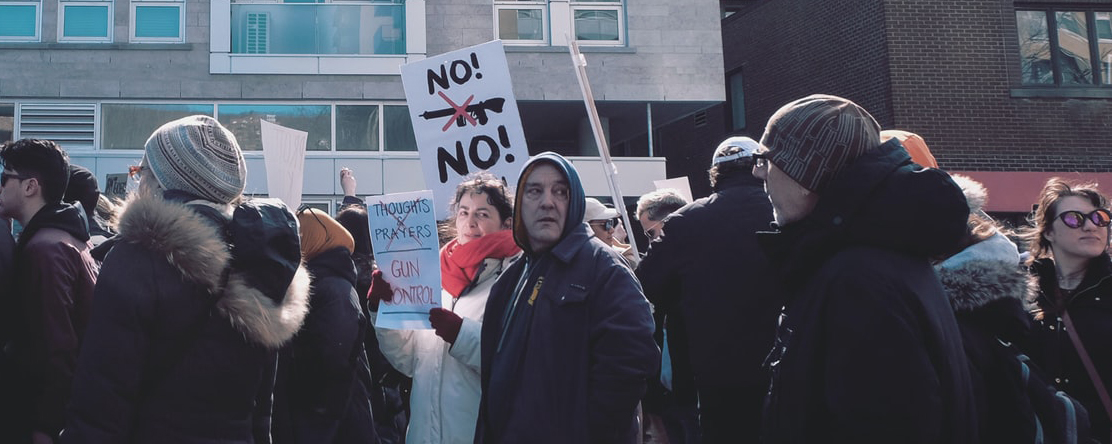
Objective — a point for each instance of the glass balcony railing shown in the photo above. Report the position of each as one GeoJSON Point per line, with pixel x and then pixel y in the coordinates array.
{"type": "Point", "coordinates": [318, 28]}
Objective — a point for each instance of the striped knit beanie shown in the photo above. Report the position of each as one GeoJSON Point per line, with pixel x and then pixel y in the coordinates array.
{"type": "Point", "coordinates": [197, 155]}
{"type": "Point", "coordinates": [813, 138]}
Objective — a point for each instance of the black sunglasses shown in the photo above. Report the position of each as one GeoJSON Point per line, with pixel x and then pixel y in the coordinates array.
{"type": "Point", "coordinates": [607, 224]}
{"type": "Point", "coordinates": [1075, 219]}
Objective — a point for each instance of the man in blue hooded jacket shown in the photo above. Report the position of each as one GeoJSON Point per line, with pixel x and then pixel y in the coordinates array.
{"type": "Point", "coordinates": [567, 343]}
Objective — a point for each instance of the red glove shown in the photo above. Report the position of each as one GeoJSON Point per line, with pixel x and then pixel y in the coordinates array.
{"type": "Point", "coordinates": [380, 290]}
{"type": "Point", "coordinates": [446, 323]}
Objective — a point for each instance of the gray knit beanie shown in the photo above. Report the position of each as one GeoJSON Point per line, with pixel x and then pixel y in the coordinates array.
{"type": "Point", "coordinates": [196, 154]}
{"type": "Point", "coordinates": [813, 138]}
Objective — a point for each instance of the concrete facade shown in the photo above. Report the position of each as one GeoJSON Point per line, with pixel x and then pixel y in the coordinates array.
{"type": "Point", "coordinates": [671, 61]}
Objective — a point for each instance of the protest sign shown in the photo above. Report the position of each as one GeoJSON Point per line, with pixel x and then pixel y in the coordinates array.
{"type": "Point", "coordinates": [680, 184]}
{"type": "Point", "coordinates": [116, 185]}
{"type": "Point", "coordinates": [465, 118]}
{"type": "Point", "coordinates": [284, 157]}
{"type": "Point", "coordinates": [403, 233]}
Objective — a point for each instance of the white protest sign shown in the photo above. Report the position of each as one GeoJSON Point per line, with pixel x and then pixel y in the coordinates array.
{"type": "Point", "coordinates": [680, 184]}
{"type": "Point", "coordinates": [284, 157]}
{"type": "Point", "coordinates": [403, 232]}
{"type": "Point", "coordinates": [465, 118]}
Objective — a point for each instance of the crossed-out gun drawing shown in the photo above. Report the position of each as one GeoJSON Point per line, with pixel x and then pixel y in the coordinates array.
{"type": "Point", "coordinates": [478, 111]}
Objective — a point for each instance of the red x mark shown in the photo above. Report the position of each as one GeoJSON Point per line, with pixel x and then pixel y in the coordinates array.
{"type": "Point", "coordinates": [401, 225]}
{"type": "Point", "coordinates": [461, 111]}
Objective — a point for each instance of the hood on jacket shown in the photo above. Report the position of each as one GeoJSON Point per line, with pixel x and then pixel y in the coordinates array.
{"type": "Point", "coordinates": [62, 216]}
{"type": "Point", "coordinates": [576, 197]}
{"type": "Point", "coordinates": [985, 272]}
{"type": "Point", "coordinates": [188, 235]}
{"type": "Point", "coordinates": [881, 200]}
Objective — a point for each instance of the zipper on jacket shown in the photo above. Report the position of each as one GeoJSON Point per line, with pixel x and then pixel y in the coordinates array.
{"type": "Point", "coordinates": [518, 288]}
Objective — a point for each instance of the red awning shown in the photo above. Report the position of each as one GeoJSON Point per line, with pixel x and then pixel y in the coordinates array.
{"type": "Point", "coordinates": [1017, 191]}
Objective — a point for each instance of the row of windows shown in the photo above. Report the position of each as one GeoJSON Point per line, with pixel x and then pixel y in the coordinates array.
{"type": "Point", "coordinates": [92, 20]}
{"type": "Point", "coordinates": [1065, 48]}
{"type": "Point", "coordinates": [528, 21]}
{"type": "Point", "coordinates": [126, 126]}
{"type": "Point", "coordinates": [307, 26]}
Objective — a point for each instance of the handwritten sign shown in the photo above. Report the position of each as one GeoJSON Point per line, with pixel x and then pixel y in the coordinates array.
{"type": "Point", "coordinates": [284, 157]}
{"type": "Point", "coordinates": [403, 232]}
{"type": "Point", "coordinates": [116, 185]}
{"type": "Point", "coordinates": [465, 118]}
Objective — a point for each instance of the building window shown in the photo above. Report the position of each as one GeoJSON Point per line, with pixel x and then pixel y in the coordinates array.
{"type": "Point", "coordinates": [19, 21]}
{"type": "Point", "coordinates": [127, 126]}
{"type": "Point", "coordinates": [736, 89]}
{"type": "Point", "coordinates": [85, 21]}
{"type": "Point", "coordinates": [318, 27]}
{"type": "Point", "coordinates": [243, 121]}
{"type": "Point", "coordinates": [535, 22]}
{"type": "Point", "coordinates": [599, 21]}
{"type": "Point", "coordinates": [72, 125]}
{"type": "Point", "coordinates": [521, 22]}
{"type": "Point", "coordinates": [157, 21]}
{"type": "Point", "coordinates": [1077, 53]}
{"type": "Point", "coordinates": [398, 129]}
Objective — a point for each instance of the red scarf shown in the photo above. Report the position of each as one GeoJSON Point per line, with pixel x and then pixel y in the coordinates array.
{"type": "Point", "coordinates": [460, 263]}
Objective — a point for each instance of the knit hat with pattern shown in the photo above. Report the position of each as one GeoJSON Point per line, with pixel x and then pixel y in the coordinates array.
{"type": "Point", "coordinates": [813, 138]}
{"type": "Point", "coordinates": [196, 154]}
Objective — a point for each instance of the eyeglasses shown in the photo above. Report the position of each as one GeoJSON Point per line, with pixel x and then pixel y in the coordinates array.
{"type": "Point", "coordinates": [4, 176]}
{"type": "Point", "coordinates": [761, 160]}
{"type": "Point", "coordinates": [134, 170]}
{"type": "Point", "coordinates": [607, 225]}
{"type": "Point", "coordinates": [1075, 219]}
{"type": "Point", "coordinates": [652, 233]}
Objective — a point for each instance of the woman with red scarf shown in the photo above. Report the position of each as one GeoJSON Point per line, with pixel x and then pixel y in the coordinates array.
{"type": "Point", "coordinates": [445, 363]}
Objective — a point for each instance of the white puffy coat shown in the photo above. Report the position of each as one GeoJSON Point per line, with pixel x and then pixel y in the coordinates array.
{"type": "Point", "coordinates": [444, 403]}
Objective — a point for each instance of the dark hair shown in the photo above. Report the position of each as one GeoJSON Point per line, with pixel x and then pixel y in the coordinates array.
{"type": "Point", "coordinates": [42, 159]}
{"type": "Point", "coordinates": [1046, 210]}
{"type": "Point", "coordinates": [730, 168]}
{"type": "Point", "coordinates": [354, 219]}
{"type": "Point", "coordinates": [494, 189]}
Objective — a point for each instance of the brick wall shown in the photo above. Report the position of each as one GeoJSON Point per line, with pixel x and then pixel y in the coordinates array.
{"type": "Point", "coordinates": [954, 64]}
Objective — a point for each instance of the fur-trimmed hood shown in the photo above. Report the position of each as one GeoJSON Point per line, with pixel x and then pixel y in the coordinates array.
{"type": "Point", "coordinates": [985, 272]}
{"type": "Point", "coordinates": [187, 235]}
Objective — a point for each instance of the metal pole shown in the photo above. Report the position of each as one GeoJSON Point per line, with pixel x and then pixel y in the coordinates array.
{"type": "Point", "coordinates": [649, 118]}
{"type": "Point", "coordinates": [580, 64]}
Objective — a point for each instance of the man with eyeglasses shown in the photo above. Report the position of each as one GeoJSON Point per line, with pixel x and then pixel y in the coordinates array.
{"type": "Point", "coordinates": [868, 349]}
{"type": "Point", "coordinates": [708, 275]}
{"type": "Point", "coordinates": [54, 279]}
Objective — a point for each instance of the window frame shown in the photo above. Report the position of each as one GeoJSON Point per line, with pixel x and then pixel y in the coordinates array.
{"type": "Point", "coordinates": [108, 38]}
{"type": "Point", "coordinates": [1051, 14]}
{"type": "Point", "coordinates": [132, 26]}
{"type": "Point", "coordinates": [38, 21]}
{"type": "Point", "coordinates": [546, 21]}
{"type": "Point", "coordinates": [585, 5]}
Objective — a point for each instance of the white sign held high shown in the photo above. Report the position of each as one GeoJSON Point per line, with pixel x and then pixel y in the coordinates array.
{"type": "Point", "coordinates": [284, 157]}
{"type": "Point", "coordinates": [465, 118]}
{"type": "Point", "coordinates": [403, 233]}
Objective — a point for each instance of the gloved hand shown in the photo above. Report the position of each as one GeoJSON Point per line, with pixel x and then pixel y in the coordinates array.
{"type": "Point", "coordinates": [380, 290]}
{"type": "Point", "coordinates": [446, 323]}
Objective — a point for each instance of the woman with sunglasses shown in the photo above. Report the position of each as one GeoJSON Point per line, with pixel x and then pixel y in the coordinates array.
{"type": "Point", "coordinates": [445, 362]}
{"type": "Point", "coordinates": [1069, 256]}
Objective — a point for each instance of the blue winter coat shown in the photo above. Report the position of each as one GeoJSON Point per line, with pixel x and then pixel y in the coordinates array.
{"type": "Point", "coordinates": [581, 361]}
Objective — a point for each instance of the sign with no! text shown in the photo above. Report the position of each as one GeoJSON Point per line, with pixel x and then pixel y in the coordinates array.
{"type": "Point", "coordinates": [406, 247]}
{"type": "Point", "coordinates": [465, 118]}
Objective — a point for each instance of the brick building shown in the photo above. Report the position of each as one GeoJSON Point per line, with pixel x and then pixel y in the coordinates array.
{"type": "Point", "coordinates": [976, 78]}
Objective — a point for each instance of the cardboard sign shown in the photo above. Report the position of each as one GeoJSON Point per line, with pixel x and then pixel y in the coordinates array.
{"type": "Point", "coordinates": [403, 232]}
{"type": "Point", "coordinates": [465, 118]}
{"type": "Point", "coordinates": [116, 185]}
{"type": "Point", "coordinates": [284, 157]}
{"type": "Point", "coordinates": [680, 184]}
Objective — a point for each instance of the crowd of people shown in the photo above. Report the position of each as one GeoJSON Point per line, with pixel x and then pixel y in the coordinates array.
{"type": "Point", "coordinates": [836, 286]}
